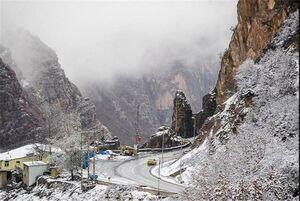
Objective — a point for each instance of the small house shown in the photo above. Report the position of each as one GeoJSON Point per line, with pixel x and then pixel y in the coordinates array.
{"type": "Point", "coordinates": [32, 170]}
{"type": "Point", "coordinates": [13, 159]}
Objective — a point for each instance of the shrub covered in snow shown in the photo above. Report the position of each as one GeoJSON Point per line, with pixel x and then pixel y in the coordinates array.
{"type": "Point", "coordinates": [259, 158]}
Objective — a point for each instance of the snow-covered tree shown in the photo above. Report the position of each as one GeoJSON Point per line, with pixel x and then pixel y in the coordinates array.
{"type": "Point", "coordinates": [259, 159]}
{"type": "Point", "coordinates": [73, 161]}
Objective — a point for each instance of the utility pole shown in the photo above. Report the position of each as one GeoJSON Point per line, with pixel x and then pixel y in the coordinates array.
{"type": "Point", "coordinates": [137, 135]}
{"type": "Point", "coordinates": [81, 160]}
{"type": "Point", "coordinates": [162, 149]}
{"type": "Point", "coordinates": [88, 166]}
{"type": "Point", "coordinates": [158, 177]}
{"type": "Point", "coordinates": [180, 163]}
{"type": "Point", "coordinates": [88, 155]}
{"type": "Point", "coordinates": [49, 134]}
{"type": "Point", "coordinates": [176, 120]}
{"type": "Point", "coordinates": [138, 116]}
{"type": "Point", "coordinates": [194, 121]}
{"type": "Point", "coordinates": [184, 127]}
{"type": "Point", "coordinates": [94, 156]}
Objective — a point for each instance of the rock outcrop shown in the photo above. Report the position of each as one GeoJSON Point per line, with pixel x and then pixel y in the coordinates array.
{"type": "Point", "coordinates": [22, 122]}
{"type": "Point", "coordinates": [164, 137]}
{"type": "Point", "coordinates": [258, 22]}
{"type": "Point", "coordinates": [67, 112]}
{"type": "Point", "coordinates": [252, 140]}
{"type": "Point", "coordinates": [208, 109]}
{"type": "Point", "coordinates": [236, 106]}
{"type": "Point", "coordinates": [116, 105]}
{"type": "Point", "coordinates": [182, 123]}
{"type": "Point", "coordinates": [6, 57]}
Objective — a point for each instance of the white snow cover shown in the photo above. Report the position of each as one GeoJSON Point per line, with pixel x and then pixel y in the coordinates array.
{"type": "Point", "coordinates": [64, 190]}
{"type": "Point", "coordinates": [188, 161]}
{"type": "Point", "coordinates": [34, 163]}
{"type": "Point", "coordinates": [25, 83]}
{"type": "Point", "coordinates": [162, 132]}
{"type": "Point", "coordinates": [113, 158]}
{"type": "Point", "coordinates": [25, 150]}
{"type": "Point", "coordinates": [260, 161]}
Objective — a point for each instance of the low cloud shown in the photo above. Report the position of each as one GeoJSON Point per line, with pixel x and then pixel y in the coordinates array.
{"type": "Point", "coordinates": [97, 40]}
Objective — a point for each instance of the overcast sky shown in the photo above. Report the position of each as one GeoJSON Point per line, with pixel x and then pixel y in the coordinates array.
{"type": "Point", "coordinates": [98, 39]}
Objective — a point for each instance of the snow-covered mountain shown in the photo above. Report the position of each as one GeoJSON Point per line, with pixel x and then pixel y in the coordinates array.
{"type": "Point", "coordinates": [22, 121]}
{"type": "Point", "coordinates": [249, 148]}
{"type": "Point", "coordinates": [116, 104]}
{"type": "Point", "coordinates": [66, 111]}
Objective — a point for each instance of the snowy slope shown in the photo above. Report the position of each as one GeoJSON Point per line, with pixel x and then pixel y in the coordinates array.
{"type": "Point", "coordinates": [251, 148]}
{"type": "Point", "coordinates": [64, 190]}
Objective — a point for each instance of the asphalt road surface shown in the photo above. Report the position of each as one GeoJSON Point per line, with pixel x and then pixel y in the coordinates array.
{"type": "Point", "coordinates": [138, 171]}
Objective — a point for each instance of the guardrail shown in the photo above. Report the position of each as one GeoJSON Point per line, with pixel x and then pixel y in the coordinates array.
{"type": "Point", "coordinates": [166, 149]}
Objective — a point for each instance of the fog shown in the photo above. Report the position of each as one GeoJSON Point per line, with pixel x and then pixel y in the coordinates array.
{"type": "Point", "coordinates": [97, 40]}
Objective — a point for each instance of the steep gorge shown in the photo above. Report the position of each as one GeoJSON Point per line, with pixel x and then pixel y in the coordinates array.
{"type": "Point", "coordinates": [22, 121]}
{"type": "Point", "coordinates": [258, 23]}
{"type": "Point", "coordinates": [116, 105]}
{"type": "Point", "coordinates": [67, 112]}
{"type": "Point", "coordinates": [248, 143]}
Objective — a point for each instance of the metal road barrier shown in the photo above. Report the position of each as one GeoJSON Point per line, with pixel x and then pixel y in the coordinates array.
{"type": "Point", "coordinates": [165, 149]}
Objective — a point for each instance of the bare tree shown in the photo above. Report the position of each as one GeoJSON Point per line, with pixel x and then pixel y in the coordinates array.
{"type": "Point", "coordinates": [73, 161]}
{"type": "Point", "coordinates": [39, 150]}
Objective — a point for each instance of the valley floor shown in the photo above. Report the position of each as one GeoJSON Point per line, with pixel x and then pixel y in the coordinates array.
{"type": "Point", "coordinates": [123, 177]}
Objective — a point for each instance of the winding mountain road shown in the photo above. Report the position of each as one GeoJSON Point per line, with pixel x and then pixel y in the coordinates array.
{"type": "Point", "coordinates": [136, 171]}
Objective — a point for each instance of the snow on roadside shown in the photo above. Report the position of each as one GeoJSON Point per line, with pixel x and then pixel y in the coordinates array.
{"type": "Point", "coordinates": [259, 159]}
{"type": "Point", "coordinates": [113, 158]}
{"type": "Point", "coordinates": [187, 163]}
{"type": "Point", "coordinates": [63, 190]}
{"type": "Point", "coordinates": [262, 154]}
{"type": "Point", "coordinates": [155, 171]}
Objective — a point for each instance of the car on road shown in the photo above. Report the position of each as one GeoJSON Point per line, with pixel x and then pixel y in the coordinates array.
{"type": "Point", "coordinates": [151, 161]}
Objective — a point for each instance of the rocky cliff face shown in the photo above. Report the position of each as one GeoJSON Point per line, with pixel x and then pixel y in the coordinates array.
{"type": "Point", "coordinates": [67, 112]}
{"type": "Point", "coordinates": [258, 22]}
{"type": "Point", "coordinates": [213, 124]}
{"type": "Point", "coordinates": [164, 137]}
{"type": "Point", "coordinates": [248, 147]}
{"type": "Point", "coordinates": [182, 123]}
{"type": "Point", "coordinates": [116, 105]}
{"type": "Point", "coordinates": [188, 80]}
{"type": "Point", "coordinates": [5, 55]}
{"type": "Point", "coordinates": [208, 109]}
{"type": "Point", "coordinates": [22, 121]}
